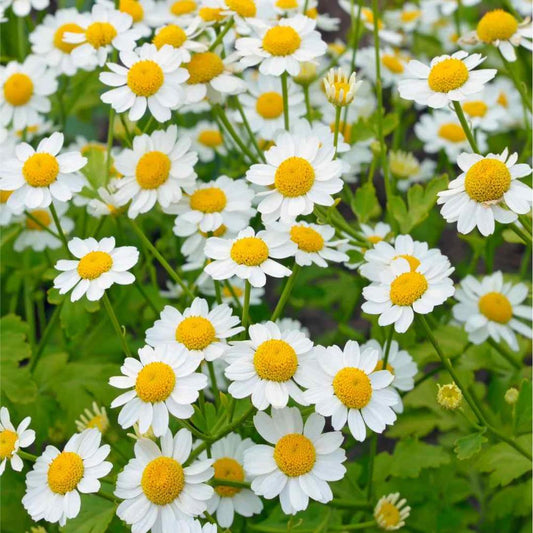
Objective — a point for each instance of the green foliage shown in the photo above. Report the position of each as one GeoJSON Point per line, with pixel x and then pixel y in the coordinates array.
{"type": "Point", "coordinates": [468, 446]}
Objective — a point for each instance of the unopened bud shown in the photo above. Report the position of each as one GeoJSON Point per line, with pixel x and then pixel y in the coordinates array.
{"type": "Point", "coordinates": [449, 396]}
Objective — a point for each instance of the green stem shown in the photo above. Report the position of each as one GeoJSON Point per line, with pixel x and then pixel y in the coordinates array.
{"type": "Point", "coordinates": [338, 110]}
{"type": "Point", "coordinates": [106, 496]}
{"type": "Point", "coordinates": [110, 131]}
{"type": "Point", "coordinates": [214, 384]}
{"type": "Point", "coordinates": [116, 324]}
{"type": "Point", "coordinates": [227, 483]}
{"type": "Point", "coordinates": [285, 94]}
{"type": "Point", "coordinates": [464, 123]}
{"type": "Point", "coordinates": [59, 228]}
{"type": "Point", "coordinates": [127, 133]}
{"type": "Point", "coordinates": [249, 129]}
{"type": "Point", "coordinates": [504, 353]}
{"type": "Point", "coordinates": [349, 504]}
{"type": "Point", "coordinates": [46, 335]}
{"type": "Point", "coordinates": [526, 223]}
{"type": "Point", "coordinates": [27, 456]}
{"type": "Point", "coordinates": [21, 31]}
{"type": "Point", "coordinates": [525, 238]}
{"type": "Point", "coordinates": [218, 293]}
{"type": "Point", "coordinates": [520, 87]}
{"type": "Point", "coordinates": [286, 292]}
{"type": "Point", "coordinates": [353, 527]}
{"type": "Point", "coordinates": [309, 113]}
{"type": "Point", "coordinates": [191, 428]}
{"type": "Point", "coordinates": [388, 343]}
{"type": "Point", "coordinates": [29, 309]}
{"type": "Point", "coordinates": [222, 34]}
{"type": "Point", "coordinates": [246, 305]}
{"type": "Point", "coordinates": [143, 293]}
{"type": "Point", "coordinates": [373, 449]}
{"type": "Point", "coordinates": [231, 290]}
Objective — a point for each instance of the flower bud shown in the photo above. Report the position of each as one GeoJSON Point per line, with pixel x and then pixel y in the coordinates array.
{"type": "Point", "coordinates": [449, 396]}
{"type": "Point", "coordinates": [511, 395]}
{"type": "Point", "coordinates": [340, 90]}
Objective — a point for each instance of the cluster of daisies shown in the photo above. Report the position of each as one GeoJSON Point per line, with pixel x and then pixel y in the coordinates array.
{"type": "Point", "coordinates": [230, 128]}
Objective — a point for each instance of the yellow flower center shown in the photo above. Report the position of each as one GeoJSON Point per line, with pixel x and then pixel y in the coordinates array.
{"type": "Point", "coordinates": [496, 25]}
{"type": "Point", "coordinates": [209, 200]}
{"type": "Point", "coordinates": [249, 251]}
{"type": "Point", "coordinates": [171, 34]}
{"type": "Point", "coordinates": [502, 100]}
{"type": "Point", "coordinates": [152, 170]}
{"type": "Point", "coordinates": [476, 108]}
{"type": "Point", "coordinates": [145, 78]}
{"type": "Point", "coordinates": [449, 396]}
{"type": "Point", "coordinates": [8, 439]}
{"type": "Point", "coordinates": [219, 232]}
{"type": "Point", "coordinates": [374, 239]}
{"type": "Point", "coordinates": [244, 8]}
{"type": "Point", "coordinates": [65, 472]}
{"type": "Point", "coordinates": [70, 27]}
{"type": "Point", "coordinates": [414, 262]}
{"type": "Point", "coordinates": [312, 13]}
{"type": "Point", "coordinates": [132, 8]}
{"type": "Point", "coordinates": [388, 515]}
{"type": "Point", "coordinates": [352, 387]}
{"type": "Point", "coordinates": [294, 177]}
{"type": "Point", "coordinates": [287, 4]}
{"type": "Point", "coordinates": [211, 14]}
{"type": "Point", "coordinates": [403, 165]}
{"type": "Point", "coordinates": [496, 307]}
{"type": "Point", "coordinates": [275, 360]}
{"type": "Point", "coordinates": [281, 41]}
{"type": "Point", "coordinates": [94, 264]}
{"type": "Point", "coordinates": [195, 333]}
{"type": "Point", "coordinates": [227, 293]}
{"type": "Point", "coordinates": [379, 366]}
{"type": "Point", "coordinates": [18, 89]}
{"type": "Point", "coordinates": [183, 7]}
{"type": "Point", "coordinates": [210, 138]}
{"type": "Point", "coordinates": [155, 382]}
{"type": "Point", "coordinates": [341, 86]}
{"type": "Point", "coordinates": [447, 75]}
{"type": "Point", "coordinates": [42, 216]}
{"type": "Point", "coordinates": [163, 480]}
{"type": "Point", "coordinates": [452, 132]}
{"type": "Point", "coordinates": [204, 67]}
{"type": "Point", "coordinates": [99, 422]}
{"type": "Point", "coordinates": [228, 469]}
{"type": "Point", "coordinates": [269, 105]}
{"type": "Point", "coordinates": [307, 239]}
{"type": "Point", "coordinates": [407, 288]}
{"type": "Point", "coordinates": [4, 196]}
{"type": "Point", "coordinates": [392, 63]}
{"type": "Point", "coordinates": [40, 170]}
{"type": "Point", "coordinates": [487, 180]}
{"type": "Point", "coordinates": [295, 454]}
{"type": "Point", "coordinates": [369, 17]}
{"type": "Point", "coordinates": [409, 16]}
{"type": "Point", "coordinates": [100, 34]}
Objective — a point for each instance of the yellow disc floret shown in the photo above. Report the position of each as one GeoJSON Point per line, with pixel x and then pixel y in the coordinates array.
{"type": "Point", "coordinates": [244, 8]}
{"type": "Point", "coordinates": [379, 366]}
{"type": "Point", "coordinates": [392, 63]}
{"type": "Point", "coordinates": [476, 108]}
{"type": "Point", "coordinates": [388, 515]}
{"type": "Point", "coordinates": [4, 196]}
{"type": "Point", "coordinates": [449, 396]}
{"type": "Point", "coordinates": [487, 180]}
{"type": "Point", "coordinates": [287, 4]}
{"type": "Point", "coordinates": [269, 105]}
{"type": "Point", "coordinates": [195, 332]}
{"type": "Point", "coordinates": [294, 177]}
{"type": "Point", "coordinates": [152, 169]}
{"type": "Point", "coordinates": [65, 472]}
{"type": "Point", "coordinates": [275, 360]}
{"type": "Point", "coordinates": [208, 200]}
{"type": "Point", "coordinates": [407, 288]}
{"type": "Point", "coordinates": [452, 132]}
{"type": "Point", "coordinates": [295, 454]}
{"type": "Point", "coordinates": [59, 34]}
{"type": "Point", "coordinates": [94, 264]}
{"type": "Point", "coordinates": [204, 67]}
{"type": "Point", "coordinates": [211, 14]}
{"type": "Point", "coordinates": [132, 8]}
{"type": "Point", "coordinates": [249, 251]}
{"type": "Point", "coordinates": [281, 41]}
{"type": "Point", "coordinates": [210, 138]}
{"type": "Point", "coordinates": [413, 261]}
{"type": "Point", "coordinates": [496, 307]}
{"type": "Point", "coordinates": [41, 216]}
{"type": "Point", "coordinates": [163, 480]}
{"type": "Point", "coordinates": [183, 7]}
{"type": "Point", "coordinates": [18, 89]}
{"type": "Point", "coordinates": [496, 25]}
{"type": "Point", "coordinates": [448, 75]}
{"type": "Point", "coordinates": [145, 78]}
{"type": "Point", "coordinates": [155, 382]}
{"type": "Point", "coordinates": [228, 469]}
{"type": "Point", "coordinates": [352, 387]}
{"type": "Point", "coordinates": [8, 439]}
{"type": "Point", "coordinates": [40, 169]}
{"type": "Point", "coordinates": [171, 34]}
{"type": "Point", "coordinates": [100, 34]}
{"type": "Point", "coordinates": [307, 239]}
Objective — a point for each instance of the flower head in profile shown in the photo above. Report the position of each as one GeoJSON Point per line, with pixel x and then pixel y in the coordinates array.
{"type": "Point", "coordinates": [53, 486]}
{"type": "Point", "coordinates": [12, 440]}
{"type": "Point", "coordinates": [95, 418]}
{"type": "Point", "coordinates": [340, 89]}
{"type": "Point", "coordinates": [391, 512]}
{"type": "Point", "coordinates": [97, 266]}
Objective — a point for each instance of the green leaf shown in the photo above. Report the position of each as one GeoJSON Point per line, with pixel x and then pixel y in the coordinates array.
{"type": "Point", "coordinates": [95, 516]}
{"type": "Point", "coordinates": [466, 447]}
{"type": "Point", "coordinates": [74, 318]}
{"type": "Point", "coordinates": [94, 170]}
{"type": "Point", "coordinates": [411, 456]}
{"type": "Point", "coordinates": [365, 202]}
{"type": "Point", "coordinates": [390, 123]}
{"type": "Point", "coordinates": [522, 421]}
{"type": "Point", "coordinates": [514, 500]}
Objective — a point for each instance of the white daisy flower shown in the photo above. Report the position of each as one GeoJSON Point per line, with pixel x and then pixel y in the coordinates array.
{"type": "Point", "coordinates": [106, 203]}
{"type": "Point", "coordinates": [151, 78]}
{"type": "Point", "coordinates": [447, 79]}
{"type": "Point", "coordinates": [393, 64]}
{"type": "Point", "coordinates": [180, 38]}
{"type": "Point", "coordinates": [223, 201]}
{"type": "Point", "coordinates": [47, 39]}
{"type": "Point", "coordinates": [267, 366]}
{"type": "Point", "coordinates": [37, 129]}
{"type": "Point", "coordinates": [231, 290]}
{"type": "Point", "coordinates": [473, 199]}
{"type": "Point", "coordinates": [248, 256]}
{"type": "Point", "coordinates": [25, 90]}
{"type": "Point", "coordinates": [379, 258]}
{"type": "Point", "coordinates": [97, 418]}
{"type": "Point", "coordinates": [97, 266]}
{"type": "Point", "coordinates": [502, 94]}
{"type": "Point", "coordinates": [34, 236]}
{"type": "Point", "coordinates": [7, 214]}
{"type": "Point", "coordinates": [483, 114]}
{"type": "Point", "coordinates": [524, 7]}
{"type": "Point", "coordinates": [324, 132]}
{"type": "Point", "coordinates": [22, 8]}
{"type": "Point", "coordinates": [200, 331]}
{"type": "Point", "coordinates": [38, 176]}
{"type": "Point", "coordinates": [142, 12]}
{"type": "Point", "coordinates": [441, 130]}
{"type": "Point", "coordinates": [298, 173]}
{"type": "Point", "coordinates": [346, 385]}
{"type": "Point", "coordinates": [408, 170]}
{"type": "Point", "coordinates": [501, 29]}
{"type": "Point", "coordinates": [493, 308]}
{"type": "Point", "coordinates": [180, 12]}
{"type": "Point", "coordinates": [104, 29]}
{"type": "Point", "coordinates": [156, 170]}
{"type": "Point", "coordinates": [372, 235]}
{"type": "Point", "coordinates": [289, 324]}
{"type": "Point", "coordinates": [282, 47]}
{"type": "Point", "coordinates": [228, 454]}
{"type": "Point", "coordinates": [314, 243]}
{"type": "Point", "coordinates": [163, 381]}
{"type": "Point", "coordinates": [391, 512]}
{"type": "Point", "coordinates": [405, 19]}
{"type": "Point", "coordinates": [53, 486]}
{"type": "Point", "coordinates": [193, 526]}
{"type": "Point", "coordinates": [448, 7]}
{"type": "Point", "coordinates": [299, 460]}
{"type": "Point", "coordinates": [207, 140]}
{"type": "Point", "coordinates": [12, 439]}
{"type": "Point", "coordinates": [158, 490]}
{"type": "Point", "coordinates": [402, 291]}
